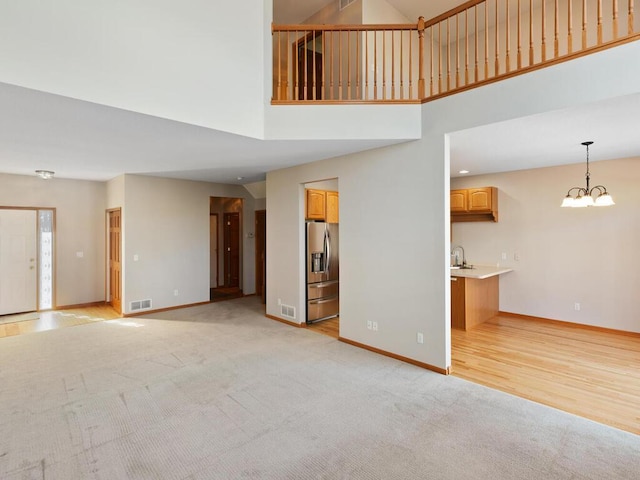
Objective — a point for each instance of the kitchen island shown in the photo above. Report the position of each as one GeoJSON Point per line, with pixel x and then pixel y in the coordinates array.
{"type": "Point", "coordinates": [475, 296]}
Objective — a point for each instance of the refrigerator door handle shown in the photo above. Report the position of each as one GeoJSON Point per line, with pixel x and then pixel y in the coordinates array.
{"type": "Point", "coordinates": [327, 249]}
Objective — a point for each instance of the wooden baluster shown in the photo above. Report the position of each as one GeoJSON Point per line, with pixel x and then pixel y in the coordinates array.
{"type": "Point", "coordinates": [366, 67]}
{"type": "Point", "coordinates": [323, 92]}
{"type": "Point", "coordinates": [432, 70]}
{"type": "Point", "coordinates": [466, 47]}
{"type": "Point", "coordinates": [569, 27]}
{"type": "Point", "coordinates": [401, 65]}
{"type": "Point", "coordinates": [331, 90]}
{"type": "Point", "coordinates": [295, 73]}
{"type": "Point", "coordinates": [457, 52]}
{"type": "Point", "coordinates": [340, 94]}
{"type": "Point", "coordinates": [544, 30]}
{"type": "Point", "coordinates": [384, 65]}
{"type": "Point", "coordinates": [279, 88]}
{"type": "Point", "coordinates": [411, 65]}
{"type": "Point", "coordinates": [439, 57]}
{"type": "Point", "coordinates": [556, 30]}
{"type": "Point", "coordinates": [584, 24]}
{"type": "Point", "coordinates": [519, 60]}
{"type": "Point", "coordinates": [421, 86]}
{"type": "Point", "coordinates": [486, 39]}
{"type": "Point", "coordinates": [375, 64]}
{"type": "Point", "coordinates": [599, 22]}
{"type": "Point", "coordinates": [305, 91]}
{"type": "Point", "coordinates": [448, 55]}
{"type": "Point", "coordinates": [530, 32]}
{"type": "Point", "coordinates": [497, 44]}
{"type": "Point", "coordinates": [508, 38]}
{"type": "Point", "coordinates": [358, 66]}
{"type": "Point", "coordinates": [630, 28]}
{"type": "Point", "coordinates": [348, 64]}
{"type": "Point", "coordinates": [313, 77]}
{"type": "Point", "coordinates": [475, 46]}
{"type": "Point", "coordinates": [393, 65]}
{"type": "Point", "coordinates": [615, 19]}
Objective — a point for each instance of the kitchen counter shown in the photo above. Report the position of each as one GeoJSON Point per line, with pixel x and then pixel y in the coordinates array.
{"type": "Point", "coordinates": [480, 272]}
{"type": "Point", "coordinates": [474, 295]}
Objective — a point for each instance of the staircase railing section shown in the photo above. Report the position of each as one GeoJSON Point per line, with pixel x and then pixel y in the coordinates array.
{"type": "Point", "coordinates": [479, 42]}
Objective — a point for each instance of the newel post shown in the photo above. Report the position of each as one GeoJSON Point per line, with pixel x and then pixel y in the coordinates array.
{"type": "Point", "coordinates": [421, 80]}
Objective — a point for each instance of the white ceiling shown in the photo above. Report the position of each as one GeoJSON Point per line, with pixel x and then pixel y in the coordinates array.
{"type": "Point", "coordinates": [83, 140]}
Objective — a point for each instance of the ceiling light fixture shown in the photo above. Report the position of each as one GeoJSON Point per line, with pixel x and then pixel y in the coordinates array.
{"type": "Point", "coordinates": [463, 171]}
{"type": "Point", "coordinates": [45, 174]}
{"type": "Point", "coordinates": [583, 196]}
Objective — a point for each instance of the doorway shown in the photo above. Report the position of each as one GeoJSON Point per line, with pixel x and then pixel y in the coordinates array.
{"type": "Point", "coordinates": [261, 254]}
{"type": "Point", "coordinates": [115, 262]}
{"type": "Point", "coordinates": [225, 215]}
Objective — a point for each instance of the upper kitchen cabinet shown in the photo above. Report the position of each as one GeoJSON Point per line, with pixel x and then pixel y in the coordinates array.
{"type": "Point", "coordinates": [316, 204]}
{"type": "Point", "coordinates": [474, 205]}
{"type": "Point", "coordinates": [322, 205]}
{"type": "Point", "coordinates": [332, 206]}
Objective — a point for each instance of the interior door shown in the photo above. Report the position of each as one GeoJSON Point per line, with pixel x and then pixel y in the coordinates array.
{"type": "Point", "coordinates": [115, 262]}
{"type": "Point", "coordinates": [18, 261]}
{"type": "Point", "coordinates": [213, 254]}
{"type": "Point", "coordinates": [232, 249]}
{"type": "Point", "coordinates": [261, 254]}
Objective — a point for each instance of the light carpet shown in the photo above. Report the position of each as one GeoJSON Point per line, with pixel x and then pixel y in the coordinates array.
{"type": "Point", "coordinates": [220, 392]}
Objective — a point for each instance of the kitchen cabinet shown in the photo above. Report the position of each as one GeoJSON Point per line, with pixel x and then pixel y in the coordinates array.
{"type": "Point", "coordinates": [322, 205]}
{"type": "Point", "coordinates": [332, 207]}
{"type": "Point", "coordinates": [316, 204]}
{"type": "Point", "coordinates": [474, 204]}
{"type": "Point", "coordinates": [473, 301]}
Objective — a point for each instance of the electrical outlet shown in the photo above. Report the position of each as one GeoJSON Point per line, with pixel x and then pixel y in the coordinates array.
{"type": "Point", "coordinates": [369, 324]}
{"type": "Point", "coordinates": [419, 337]}
{"type": "Point", "coordinates": [576, 306]}
{"type": "Point", "coordinates": [504, 255]}
{"type": "Point", "coordinates": [375, 326]}
{"type": "Point", "coordinates": [279, 301]}
{"type": "Point", "coordinates": [516, 256]}
{"type": "Point", "coordinates": [175, 293]}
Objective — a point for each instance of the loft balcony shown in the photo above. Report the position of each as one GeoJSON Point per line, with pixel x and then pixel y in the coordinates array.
{"type": "Point", "coordinates": [479, 42]}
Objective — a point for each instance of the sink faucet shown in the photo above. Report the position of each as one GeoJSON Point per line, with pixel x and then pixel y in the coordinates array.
{"type": "Point", "coordinates": [455, 253]}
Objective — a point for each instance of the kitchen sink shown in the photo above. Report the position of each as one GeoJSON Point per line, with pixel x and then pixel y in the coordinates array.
{"type": "Point", "coordinates": [462, 267]}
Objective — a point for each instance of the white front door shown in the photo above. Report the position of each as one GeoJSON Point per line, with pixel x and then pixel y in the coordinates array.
{"type": "Point", "coordinates": [18, 261]}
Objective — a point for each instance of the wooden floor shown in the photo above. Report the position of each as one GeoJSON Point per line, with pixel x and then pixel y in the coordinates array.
{"type": "Point", "coordinates": [330, 327]}
{"type": "Point", "coordinates": [591, 373]}
{"type": "Point", "coordinates": [52, 319]}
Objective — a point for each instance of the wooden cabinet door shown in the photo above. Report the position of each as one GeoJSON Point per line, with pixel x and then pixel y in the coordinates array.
{"type": "Point", "coordinates": [479, 199]}
{"type": "Point", "coordinates": [316, 204]}
{"type": "Point", "coordinates": [458, 306]}
{"type": "Point", "coordinates": [333, 207]}
{"type": "Point", "coordinates": [458, 200]}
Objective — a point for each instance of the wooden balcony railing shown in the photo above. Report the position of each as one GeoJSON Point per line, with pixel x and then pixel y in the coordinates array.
{"type": "Point", "coordinates": [476, 43]}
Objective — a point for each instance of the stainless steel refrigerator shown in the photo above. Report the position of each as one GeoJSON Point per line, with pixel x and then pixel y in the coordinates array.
{"type": "Point", "coordinates": [323, 271]}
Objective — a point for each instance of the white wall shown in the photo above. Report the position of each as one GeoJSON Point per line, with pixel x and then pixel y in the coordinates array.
{"type": "Point", "coordinates": [167, 226]}
{"type": "Point", "coordinates": [79, 227]}
{"type": "Point", "coordinates": [400, 277]}
{"type": "Point", "coordinates": [199, 62]}
{"type": "Point", "coordinates": [566, 255]}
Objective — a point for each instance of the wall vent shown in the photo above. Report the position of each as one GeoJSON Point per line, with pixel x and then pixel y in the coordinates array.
{"type": "Point", "coordinates": [288, 311]}
{"type": "Point", "coordinates": [345, 3]}
{"type": "Point", "coordinates": [140, 305]}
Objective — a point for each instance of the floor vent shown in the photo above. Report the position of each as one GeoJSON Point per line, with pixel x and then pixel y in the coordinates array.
{"type": "Point", "coordinates": [288, 311]}
{"type": "Point", "coordinates": [345, 3]}
{"type": "Point", "coordinates": [140, 305]}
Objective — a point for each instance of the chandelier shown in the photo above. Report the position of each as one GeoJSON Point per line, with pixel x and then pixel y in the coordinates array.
{"type": "Point", "coordinates": [583, 197]}
{"type": "Point", "coordinates": [45, 174]}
